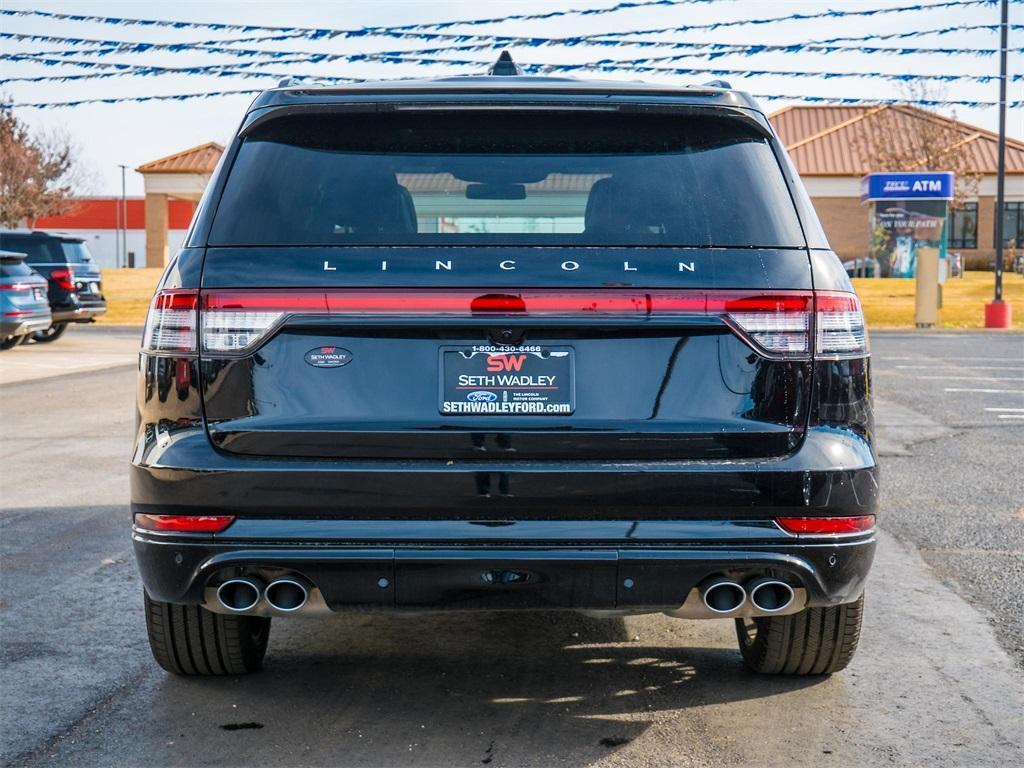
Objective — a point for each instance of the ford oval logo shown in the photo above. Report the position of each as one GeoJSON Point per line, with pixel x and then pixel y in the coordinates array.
{"type": "Point", "coordinates": [481, 396]}
{"type": "Point", "coordinates": [328, 357]}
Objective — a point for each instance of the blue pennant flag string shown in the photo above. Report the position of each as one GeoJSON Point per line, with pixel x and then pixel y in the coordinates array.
{"type": "Point", "coordinates": [244, 70]}
{"type": "Point", "coordinates": [421, 31]}
{"type": "Point", "coordinates": [709, 50]}
{"type": "Point", "coordinates": [852, 101]}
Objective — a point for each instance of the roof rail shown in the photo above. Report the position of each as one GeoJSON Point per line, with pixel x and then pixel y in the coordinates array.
{"type": "Point", "coordinates": [505, 66]}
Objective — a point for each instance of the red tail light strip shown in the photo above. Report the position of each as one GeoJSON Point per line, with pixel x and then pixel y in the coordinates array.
{"type": "Point", "coordinates": [777, 322]}
{"type": "Point", "coordinates": [530, 302]}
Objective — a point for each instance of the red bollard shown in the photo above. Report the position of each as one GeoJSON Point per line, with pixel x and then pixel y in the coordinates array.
{"type": "Point", "coordinates": [998, 314]}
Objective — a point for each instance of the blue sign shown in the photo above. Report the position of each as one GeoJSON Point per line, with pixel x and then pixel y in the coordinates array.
{"type": "Point", "coordinates": [907, 186]}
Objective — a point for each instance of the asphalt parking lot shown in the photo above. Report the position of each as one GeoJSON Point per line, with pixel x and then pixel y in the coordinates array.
{"type": "Point", "coordinates": [938, 680]}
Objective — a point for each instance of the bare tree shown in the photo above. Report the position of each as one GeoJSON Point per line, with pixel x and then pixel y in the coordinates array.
{"type": "Point", "coordinates": [36, 172]}
{"type": "Point", "coordinates": [884, 143]}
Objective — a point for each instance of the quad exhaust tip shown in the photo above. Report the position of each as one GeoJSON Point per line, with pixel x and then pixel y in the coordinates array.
{"type": "Point", "coordinates": [287, 594]}
{"type": "Point", "coordinates": [722, 595]}
{"type": "Point", "coordinates": [770, 595]}
{"type": "Point", "coordinates": [239, 594]}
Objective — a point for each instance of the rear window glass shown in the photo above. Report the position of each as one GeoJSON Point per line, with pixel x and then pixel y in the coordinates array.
{"type": "Point", "coordinates": [505, 179]}
{"type": "Point", "coordinates": [38, 250]}
{"type": "Point", "coordinates": [14, 268]}
{"type": "Point", "coordinates": [76, 252]}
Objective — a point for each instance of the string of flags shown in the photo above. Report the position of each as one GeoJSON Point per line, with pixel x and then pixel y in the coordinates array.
{"type": "Point", "coordinates": [422, 31]}
{"type": "Point", "coordinates": [845, 101]}
{"type": "Point", "coordinates": [245, 70]}
{"type": "Point", "coordinates": [88, 56]}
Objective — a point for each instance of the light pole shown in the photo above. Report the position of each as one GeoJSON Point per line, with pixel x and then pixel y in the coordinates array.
{"type": "Point", "coordinates": [998, 314]}
{"type": "Point", "coordinates": [117, 233]}
{"type": "Point", "coordinates": [124, 217]}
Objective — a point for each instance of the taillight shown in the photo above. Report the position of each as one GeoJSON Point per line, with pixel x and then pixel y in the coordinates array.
{"type": "Point", "coordinates": [780, 323]}
{"type": "Point", "coordinates": [64, 278]}
{"type": "Point", "coordinates": [841, 330]}
{"type": "Point", "coordinates": [171, 322]}
{"type": "Point", "coordinates": [826, 526]}
{"type": "Point", "coordinates": [184, 523]}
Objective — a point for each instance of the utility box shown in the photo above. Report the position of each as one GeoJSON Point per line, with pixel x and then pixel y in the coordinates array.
{"type": "Point", "coordinates": [928, 301]}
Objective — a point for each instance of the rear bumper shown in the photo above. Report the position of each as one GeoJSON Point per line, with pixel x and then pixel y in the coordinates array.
{"type": "Point", "coordinates": [634, 536]}
{"type": "Point", "coordinates": [622, 566]}
{"type": "Point", "coordinates": [175, 470]}
{"type": "Point", "coordinates": [84, 313]}
{"type": "Point", "coordinates": [24, 325]}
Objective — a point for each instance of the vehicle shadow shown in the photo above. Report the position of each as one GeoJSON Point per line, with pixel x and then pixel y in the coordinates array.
{"type": "Point", "coordinates": [457, 689]}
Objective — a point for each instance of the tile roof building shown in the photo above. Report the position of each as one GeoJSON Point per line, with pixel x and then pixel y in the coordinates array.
{"type": "Point", "coordinates": [827, 144]}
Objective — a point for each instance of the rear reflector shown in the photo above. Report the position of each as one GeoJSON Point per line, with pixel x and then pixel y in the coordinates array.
{"type": "Point", "coordinates": [171, 322]}
{"type": "Point", "coordinates": [780, 323]}
{"type": "Point", "coordinates": [184, 523]}
{"type": "Point", "coordinates": [824, 526]}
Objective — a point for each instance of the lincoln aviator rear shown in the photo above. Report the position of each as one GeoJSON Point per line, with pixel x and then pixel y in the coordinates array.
{"type": "Point", "coordinates": [504, 343]}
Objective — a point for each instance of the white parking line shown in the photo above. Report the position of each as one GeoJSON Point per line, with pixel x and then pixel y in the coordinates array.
{"type": "Point", "coordinates": [987, 391]}
{"type": "Point", "coordinates": [974, 378]}
{"type": "Point", "coordinates": [973, 367]}
{"type": "Point", "coordinates": [940, 359]}
{"type": "Point", "coordinates": [1014, 410]}
{"type": "Point", "coordinates": [1011, 416]}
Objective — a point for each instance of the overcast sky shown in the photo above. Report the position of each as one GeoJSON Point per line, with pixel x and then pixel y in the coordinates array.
{"type": "Point", "coordinates": [132, 134]}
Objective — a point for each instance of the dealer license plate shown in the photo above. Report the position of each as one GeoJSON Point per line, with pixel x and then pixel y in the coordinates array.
{"type": "Point", "coordinates": [524, 380]}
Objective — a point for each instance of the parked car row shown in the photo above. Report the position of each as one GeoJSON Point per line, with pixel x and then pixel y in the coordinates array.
{"type": "Point", "coordinates": [48, 281]}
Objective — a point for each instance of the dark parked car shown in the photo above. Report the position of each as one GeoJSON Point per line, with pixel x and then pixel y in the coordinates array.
{"type": "Point", "coordinates": [75, 284]}
{"type": "Point", "coordinates": [862, 268]}
{"type": "Point", "coordinates": [24, 308]}
{"type": "Point", "coordinates": [505, 342]}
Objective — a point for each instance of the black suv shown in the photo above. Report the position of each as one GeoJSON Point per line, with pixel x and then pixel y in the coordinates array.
{"type": "Point", "coordinates": [75, 284]}
{"type": "Point", "coordinates": [505, 342]}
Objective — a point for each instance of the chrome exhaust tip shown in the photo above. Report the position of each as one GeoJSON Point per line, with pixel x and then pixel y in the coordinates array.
{"type": "Point", "coordinates": [770, 595]}
{"type": "Point", "coordinates": [287, 594]}
{"type": "Point", "coordinates": [722, 596]}
{"type": "Point", "coordinates": [239, 594]}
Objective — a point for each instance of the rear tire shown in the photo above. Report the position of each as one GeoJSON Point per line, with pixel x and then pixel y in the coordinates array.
{"type": "Point", "coordinates": [815, 641]}
{"type": "Point", "coordinates": [190, 640]}
{"type": "Point", "coordinates": [52, 333]}
{"type": "Point", "coordinates": [11, 342]}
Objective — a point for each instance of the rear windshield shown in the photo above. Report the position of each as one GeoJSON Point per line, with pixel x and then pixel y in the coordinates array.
{"type": "Point", "coordinates": [42, 251]}
{"type": "Point", "coordinates": [14, 267]}
{"type": "Point", "coordinates": [76, 252]}
{"type": "Point", "coordinates": [478, 178]}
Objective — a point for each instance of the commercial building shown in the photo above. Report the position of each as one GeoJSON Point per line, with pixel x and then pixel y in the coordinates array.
{"type": "Point", "coordinates": [828, 144]}
{"type": "Point", "coordinates": [157, 223]}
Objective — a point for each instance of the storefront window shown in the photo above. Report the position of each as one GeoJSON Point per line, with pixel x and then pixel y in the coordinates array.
{"type": "Point", "coordinates": [1013, 224]}
{"type": "Point", "coordinates": [963, 226]}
